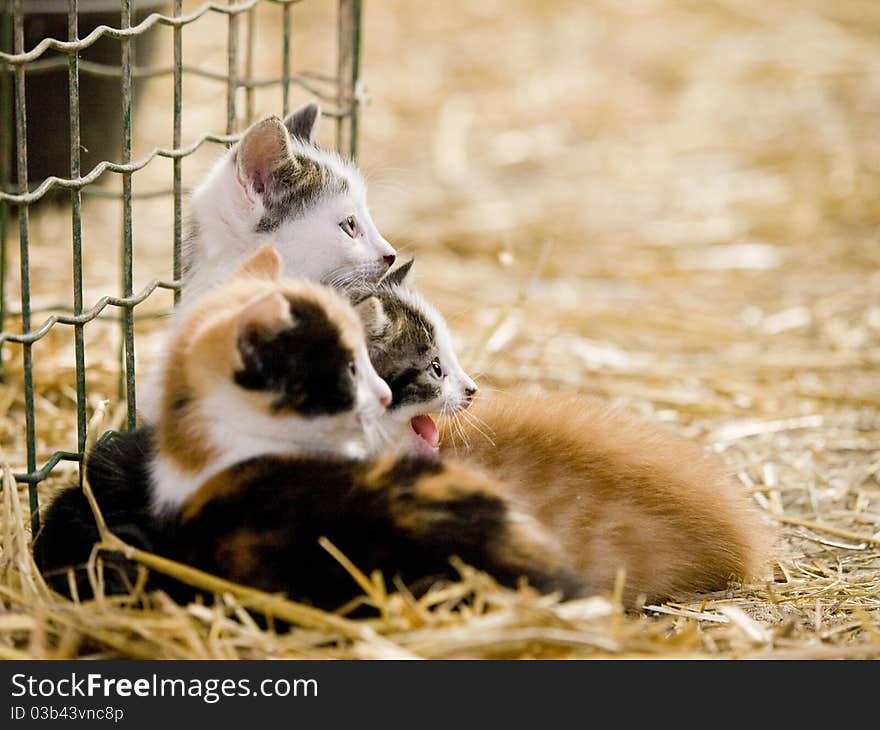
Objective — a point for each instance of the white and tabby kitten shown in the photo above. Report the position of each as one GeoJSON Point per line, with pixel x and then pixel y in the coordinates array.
{"type": "Point", "coordinates": [277, 187]}
{"type": "Point", "coordinates": [411, 347]}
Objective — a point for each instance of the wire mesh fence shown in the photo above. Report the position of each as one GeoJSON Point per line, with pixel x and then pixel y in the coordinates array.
{"type": "Point", "coordinates": [23, 59]}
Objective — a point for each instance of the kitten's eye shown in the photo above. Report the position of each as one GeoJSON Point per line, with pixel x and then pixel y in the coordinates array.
{"type": "Point", "coordinates": [435, 366]}
{"type": "Point", "coordinates": [349, 225]}
{"type": "Point", "coordinates": [352, 368]}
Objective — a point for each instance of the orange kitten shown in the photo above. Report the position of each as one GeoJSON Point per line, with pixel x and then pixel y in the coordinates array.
{"type": "Point", "coordinates": [620, 494]}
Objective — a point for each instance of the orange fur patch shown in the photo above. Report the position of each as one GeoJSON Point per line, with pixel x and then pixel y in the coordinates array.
{"type": "Point", "coordinates": [622, 494]}
{"type": "Point", "coordinates": [376, 477]}
{"type": "Point", "coordinates": [241, 551]}
{"type": "Point", "coordinates": [220, 486]}
{"type": "Point", "coordinates": [455, 481]}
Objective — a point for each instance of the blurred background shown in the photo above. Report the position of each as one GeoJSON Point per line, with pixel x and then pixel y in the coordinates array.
{"type": "Point", "coordinates": [671, 204]}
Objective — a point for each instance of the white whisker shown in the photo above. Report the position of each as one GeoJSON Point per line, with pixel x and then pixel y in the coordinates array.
{"type": "Point", "coordinates": [454, 417]}
{"type": "Point", "coordinates": [474, 418]}
{"type": "Point", "coordinates": [353, 277]}
{"type": "Point", "coordinates": [475, 421]}
{"type": "Point", "coordinates": [447, 424]}
{"type": "Point", "coordinates": [458, 425]}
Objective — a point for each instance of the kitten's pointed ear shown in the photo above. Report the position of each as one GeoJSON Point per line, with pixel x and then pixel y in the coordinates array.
{"type": "Point", "coordinates": [399, 274]}
{"type": "Point", "coordinates": [264, 264]}
{"type": "Point", "coordinates": [267, 312]}
{"type": "Point", "coordinates": [373, 316]}
{"type": "Point", "coordinates": [263, 148]}
{"type": "Point", "coordinates": [301, 123]}
{"type": "Point", "coordinates": [259, 321]}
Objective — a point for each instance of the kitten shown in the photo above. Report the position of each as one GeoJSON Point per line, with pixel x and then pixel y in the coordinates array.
{"type": "Point", "coordinates": [279, 371]}
{"type": "Point", "coordinates": [136, 479]}
{"type": "Point", "coordinates": [411, 347]}
{"type": "Point", "coordinates": [276, 372]}
{"type": "Point", "coordinates": [140, 477]}
{"type": "Point", "coordinates": [276, 186]}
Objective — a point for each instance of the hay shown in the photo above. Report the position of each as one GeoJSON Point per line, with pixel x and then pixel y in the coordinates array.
{"type": "Point", "coordinates": [670, 205]}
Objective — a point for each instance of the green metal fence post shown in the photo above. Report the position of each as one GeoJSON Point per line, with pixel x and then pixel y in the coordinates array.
{"type": "Point", "coordinates": [231, 70]}
{"type": "Point", "coordinates": [5, 166]}
{"type": "Point", "coordinates": [177, 263]}
{"type": "Point", "coordinates": [285, 62]}
{"type": "Point", "coordinates": [249, 90]}
{"type": "Point", "coordinates": [24, 245]}
{"type": "Point", "coordinates": [348, 72]}
{"type": "Point", "coordinates": [127, 253]}
{"type": "Point", "coordinates": [76, 222]}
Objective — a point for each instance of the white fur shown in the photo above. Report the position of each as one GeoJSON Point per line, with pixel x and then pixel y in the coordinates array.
{"type": "Point", "coordinates": [373, 393]}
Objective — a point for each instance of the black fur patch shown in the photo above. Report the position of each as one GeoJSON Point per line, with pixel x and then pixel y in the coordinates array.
{"type": "Point", "coordinates": [118, 473]}
{"type": "Point", "coordinates": [306, 365]}
{"type": "Point", "coordinates": [414, 385]}
{"type": "Point", "coordinates": [265, 530]}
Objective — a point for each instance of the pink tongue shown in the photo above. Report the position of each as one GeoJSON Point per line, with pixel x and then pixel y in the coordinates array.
{"type": "Point", "coordinates": [425, 427]}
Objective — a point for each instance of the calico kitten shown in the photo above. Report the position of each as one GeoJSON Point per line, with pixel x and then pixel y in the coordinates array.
{"type": "Point", "coordinates": [289, 363]}
{"type": "Point", "coordinates": [140, 477]}
{"type": "Point", "coordinates": [136, 479]}
{"type": "Point", "coordinates": [285, 394]}
{"type": "Point", "coordinates": [276, 186]}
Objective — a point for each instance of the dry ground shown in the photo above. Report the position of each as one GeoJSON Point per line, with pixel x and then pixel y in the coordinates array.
{"type": "Point", "coordinates": [673, 205]}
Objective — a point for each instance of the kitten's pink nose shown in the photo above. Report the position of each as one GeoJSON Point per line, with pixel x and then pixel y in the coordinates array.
{"type": "Point", "coordinates": [389, 259]}
{"type": "Point", "coordinates": [382, 392]}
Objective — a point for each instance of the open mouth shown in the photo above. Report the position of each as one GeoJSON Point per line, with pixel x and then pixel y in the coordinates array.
{"type": "Point", "coordinates": [425, 428]}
